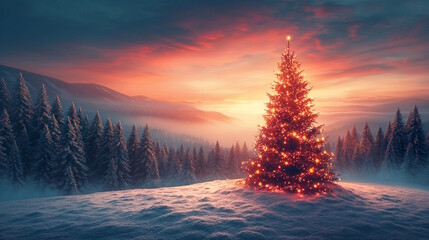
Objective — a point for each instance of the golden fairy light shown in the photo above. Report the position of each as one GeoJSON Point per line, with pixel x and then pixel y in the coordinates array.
{"type": "Point", "coordinates": [290, 155]}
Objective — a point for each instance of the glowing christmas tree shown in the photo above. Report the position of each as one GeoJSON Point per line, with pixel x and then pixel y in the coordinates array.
{"type": "Point", "coordinates": [290, 152]}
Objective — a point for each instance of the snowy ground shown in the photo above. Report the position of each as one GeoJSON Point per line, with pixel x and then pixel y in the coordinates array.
{"type": "Point", "coordinates": [221, 210]}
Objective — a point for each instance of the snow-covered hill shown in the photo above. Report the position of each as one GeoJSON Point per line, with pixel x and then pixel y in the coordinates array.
{"type": "Point", "coordinates": [93, 97]}
{"type": "Point", "coordinates": [222, 210]}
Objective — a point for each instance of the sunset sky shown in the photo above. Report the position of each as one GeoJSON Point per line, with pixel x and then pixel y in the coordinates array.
{"type": "Point", "coordinates": [360, 56]}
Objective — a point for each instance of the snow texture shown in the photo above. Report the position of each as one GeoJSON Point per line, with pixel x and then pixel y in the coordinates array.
{"type": "Point", "coordinates": [222, 210]}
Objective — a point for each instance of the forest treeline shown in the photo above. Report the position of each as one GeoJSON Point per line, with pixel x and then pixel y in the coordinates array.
{"type": "Point", "coordinates": [66, 151]}
{"type": "Point", "coordinates": [401, 149]}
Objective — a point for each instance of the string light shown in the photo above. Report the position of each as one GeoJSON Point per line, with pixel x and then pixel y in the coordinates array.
{"type": "Point", "coordinates": [290, 155]}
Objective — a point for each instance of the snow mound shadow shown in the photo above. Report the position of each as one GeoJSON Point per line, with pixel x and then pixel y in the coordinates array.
{"type": "Point", "coordinates": [222, 210]}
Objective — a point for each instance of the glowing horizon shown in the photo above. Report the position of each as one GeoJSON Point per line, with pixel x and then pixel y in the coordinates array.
{"type": "Point", "coordinates": [357, 56]}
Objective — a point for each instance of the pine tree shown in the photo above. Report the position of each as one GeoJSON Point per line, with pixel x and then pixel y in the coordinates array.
{"type": "Point", "coordinates": [232, 162]}
{"type": "Point", "coordinates": [121, 158]}
{"type": "Point", "coordinates": [379, 149]}
{"type": "Point", "coordinates": [366, 150]}
{"type": "Point", "coordinates": [84, 124]}
{"type": "Point", "coordinates": [180, 154]}
{"type": "Point", "coordinates": [3, 161]}
{"type": "Point", "coordinates": [93, 144]}
{"type": "Point", "coordinates": [174, 167]}
{"type": "Point", "coordinates": [387, 135]}
{"type": "Point", "coordinates": [200, 164]}
{"type": "Point", "coordinates": [357, 159]}
{"type": "Point", "coordinates": [348, 150]}
{"type": "Point", "coordinates": [397, 141]}
{"type": "Point", "coordinates": [237, 150]}
{"type": "Point", "coordinates": [339, 155]}
{"type": "Point", "coordinates": [354, 135]}
{"type": "Point", "coordinates": [194, 157]}
{"type": "Point", "coordinates": [42, 113]}
{"type": "Point", "coordinates": [216, 164]}
{"type": "Point", "coordinates": [4, 96]}
{"type": "Point", "coordinates": [188, 169]}
{"type": "Point", "coordinates": [290, 156]}
{"type": "Point", "coordinates": [133, 146]}
{"type": "Point", "coordinates": [23, 141]}
{"type": "Point", "coordinates": [45, 158]}
{"type": "Point", "coordinates": [158, 156]}
{"type": "Point", "coordinates": [147, 168]}
{"type": "Point", "coordinates": [55, 131]}
{"type": "Point", "coordinates": [57, 111]}
{"type": "Point", "coordinates": [110, 178]}
{"type": "Point", "coordinates": [14, 167]}
{"type": "Point", "coordinates": [69, 185]}
{"type": "Point", "coordinates": [72, 114]}
{"type": "Point", "coordinates": [6, 132]}
{"type": "Point", "coordinates": [105, 150]}
{"type": "Point", "coordinates": [416, 154]}
{"type": "Point", "coordinates": [22, 107]}
{"type": "Point", "coordinates": [71, 156]}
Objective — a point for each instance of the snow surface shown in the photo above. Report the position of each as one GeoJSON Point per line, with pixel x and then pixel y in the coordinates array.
{"type": "Point", "coordinates": [222, 210]}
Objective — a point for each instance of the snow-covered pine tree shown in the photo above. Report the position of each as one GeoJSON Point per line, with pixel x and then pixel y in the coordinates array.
{"type": "Point", "coordinates": [232, 163]}
{"type": "Point", "coordinates": [41, 116]}
{"type": "Point", "coordinates": [110, 178]}
{"type": "Point", "coordinates": [387, 135]}
{"type": "Point", "coordinates": [396, 146]}
{"type": "Point", "coordinates": [180, 154]}
{"type": "Point", "coordinates": [121, 158]}
{"type": "Point", "coordinates": [366, 149]}
{"type": "Point", "coordinates": [23, 141]}
{"type": "Point", "coordinates": [416, 154]}
{"type": "Point", "coordinates": [194, 156]}
{"type": "Point", "coordinates": [163, 160]}
{"type": "Point", "coordinates": [379, 149]}
{"type": "Point", "coordinates": [147, 169]}
{"type": "Point", "coordinates": [6, 132]}
{"type": "Point", "coordinates": [357, 160]}
{"type": "Point", "coordinates": [5, 98]}
{"type": "Point", "coordinates": [92, 146]}
{"type": "Point", "coordinates": [43, 169]}
{"type": "Point", "coordinates": [174, 167]}
{"type": "Point", "coordinates": [7, 139]}
{"type": "Point", "coordinates": [22, 107]}
{"type": "Point", "coordinates": [14, 167]}
{"type": "Point", "coordinates": [348, 150]}
{"type": "Point", "coordinates": [72, 114]}
{"type": "Point", "coordinates": [158, 156]}
{"type": "Point", "coordinates": [216, 164]}
{"type": "Point", "coordinates": [339, 155]}
{"type": "Point", "coordinates": [84, 124]}
{"type": "Point", "coordinates": [354, 136]}
{"type": "Point", "coordinates": [200, 165]}
{"type": "Point", "coordinates": [57, 111]}
{"type": "Point", "coordinates": [22, 112]}
{"type": "Point", "coordinates": [133, 147]}
{"type": "Point", "coordinates": [105, 150]}
{"type": "Point", "coordinates": [55, 131]}
{"type": "Point", "coordinates": [188, 169]}
{"type": "Point", "coordinates": [165, 148]}
{"type": "Point", "coordinates": [69, 185]}
{"type": "Point", "coordinates": [3, 161]}
{"type": "Point", "coordinates": [72, 156]}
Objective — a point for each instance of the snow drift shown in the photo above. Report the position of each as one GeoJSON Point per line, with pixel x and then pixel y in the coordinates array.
{"type": "Point", "coordinates": [222, 210]}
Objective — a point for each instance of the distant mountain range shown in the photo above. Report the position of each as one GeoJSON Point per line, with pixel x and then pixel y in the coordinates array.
{"type": "Point", "coordinates": [93, 97]}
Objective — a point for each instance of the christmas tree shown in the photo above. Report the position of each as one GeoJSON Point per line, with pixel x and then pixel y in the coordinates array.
{"type": "Point", "coordinates": [290, 154]}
